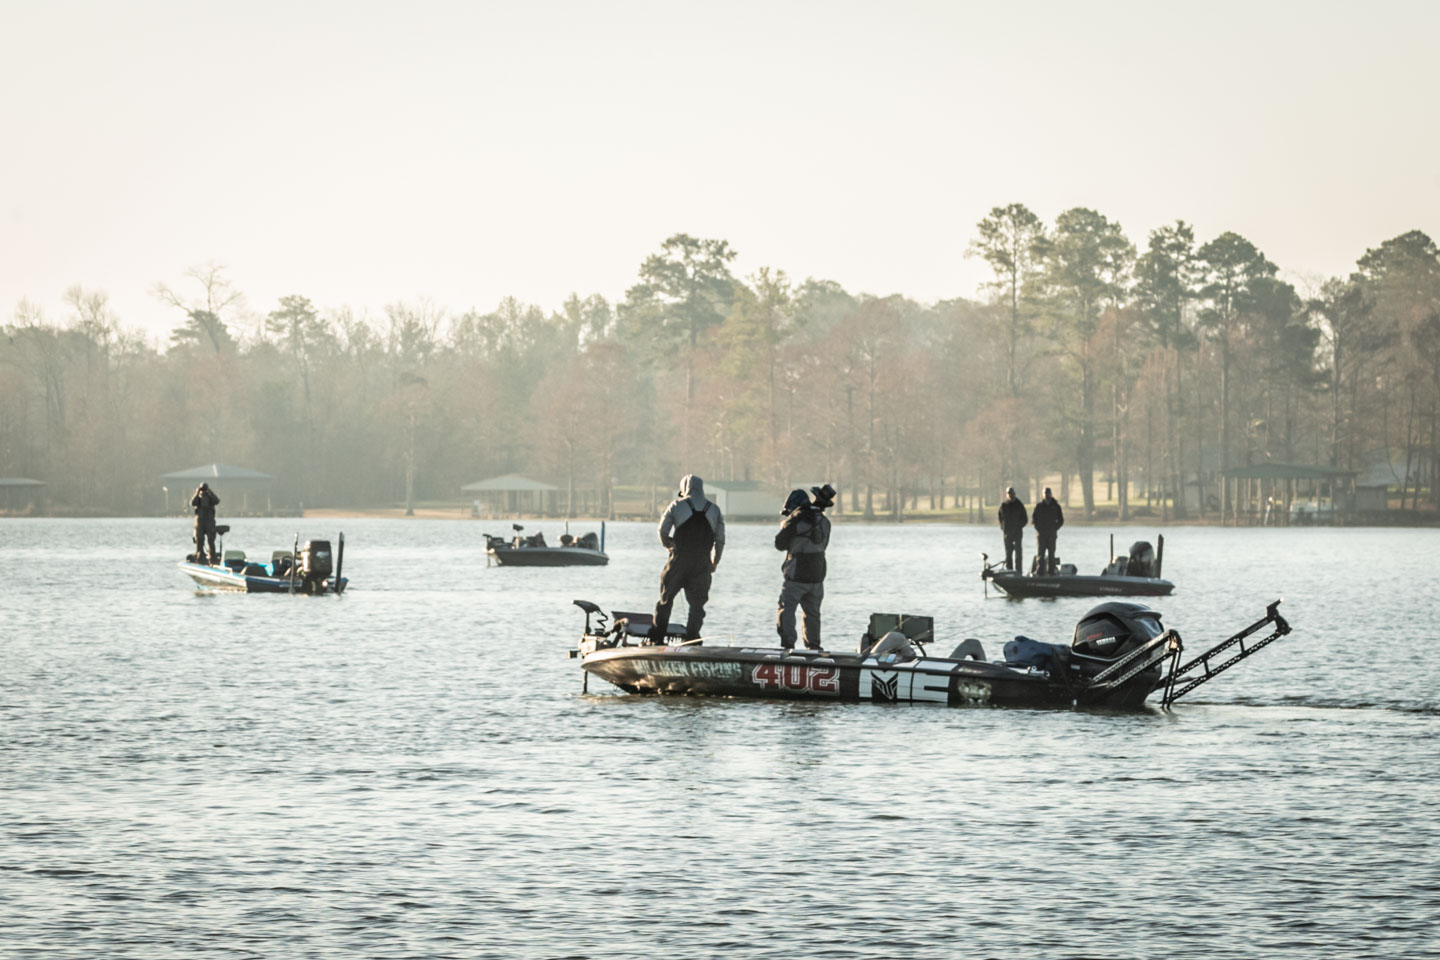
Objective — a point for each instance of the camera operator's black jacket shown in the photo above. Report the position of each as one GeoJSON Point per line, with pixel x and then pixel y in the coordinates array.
{"type": "Point", "coordinates": [204, 503]}
{"type": "Point", "coordinates": [803, 536]}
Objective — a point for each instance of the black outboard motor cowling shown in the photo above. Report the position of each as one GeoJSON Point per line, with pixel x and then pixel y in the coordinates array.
{"type": "Point", "coordinates": [1142, 559]}
{"type": "Point", "coordinates": [1113, 629]}
{"type": "Point", "coordinates": [315, 561]}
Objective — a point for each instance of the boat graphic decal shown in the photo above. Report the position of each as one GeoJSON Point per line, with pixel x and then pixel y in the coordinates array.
{"type": "Point", "coordinates": [796, 676]}
{"type": "Point", "coordinates": [972, 691]}
{"type": "Point", "coordinates": [689, 668]}
{"type": "Point", "coordinates": [884, 686]}
{"type": "Point", "coordinates": [930, 688]}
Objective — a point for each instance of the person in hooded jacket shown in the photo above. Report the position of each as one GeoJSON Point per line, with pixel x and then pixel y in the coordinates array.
{"type": "Point", "coordinates": [204, 501]}
{"type": "Point", "coordinates": [693, 530]}
{"type": "Point", "coordinates": [1047, 519]}
{"type": "Point", "coordinates": [1012, 522]}
{"type": "Point", "coordinates": [804, 535]}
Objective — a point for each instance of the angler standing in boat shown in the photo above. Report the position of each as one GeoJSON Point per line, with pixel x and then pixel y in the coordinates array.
{"type": "Point", "coordinates": [204, 503]}
{"type": "Point", "coordinates": [1047, 519]}
{"type": "Point", "coordinates": [693, 530]}
{"type": "Point", "coordinates": [1012, 523]}
{"type": "Point", "coordinates": [804, 535]}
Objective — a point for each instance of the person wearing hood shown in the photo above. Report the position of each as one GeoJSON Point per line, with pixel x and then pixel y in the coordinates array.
{"type": "Point", "coordinates": [204, 501]}
{"type": "Point", "coordinates": [1012, 523]}
{"type": "Point", "coordinates": [804, 535]}
{"type": "Point", "coordinates": [693, 530]}
{"type": "Point", "coordinates": [1047, 519]}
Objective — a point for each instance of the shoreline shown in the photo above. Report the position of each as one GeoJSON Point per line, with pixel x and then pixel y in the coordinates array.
{"type": "Point", "coordinates": [1408, 520]}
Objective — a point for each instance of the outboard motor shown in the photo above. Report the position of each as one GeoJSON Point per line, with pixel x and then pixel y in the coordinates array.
{"type": "Point", "coordinates": [315, 564]}
{"type": "Point", "coordinates": [1142, 559]}
{"type": "Point", "coordinates": [1113, 629]}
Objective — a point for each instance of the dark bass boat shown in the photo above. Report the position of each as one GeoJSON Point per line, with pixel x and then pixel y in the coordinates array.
{"type": "Point", "coordinates": [305, 569]}
{"type": "Point", "coordinates": [1134, 575]}
{"type": "Point", "coordinates": [1119, 655]}
{"type": "Point", "coordinates": [587, 550]}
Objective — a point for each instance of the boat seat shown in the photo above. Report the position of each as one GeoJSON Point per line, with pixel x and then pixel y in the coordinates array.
{"type": "Point", "coordinates": [234, 555]}
{"type": "Point", "coordinates": [279, 555]}
{"type": "Point", "coordinates": [636, 624]}
{"type": "Point", "coordinates": [1025, 652]}
{"type": "Point", "coordinates": [893, 646]}
{"type": "Point", "coordinates": [968, 648]}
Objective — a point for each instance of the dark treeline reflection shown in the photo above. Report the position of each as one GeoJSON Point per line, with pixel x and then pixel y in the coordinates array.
{"type": "Point", "coordinates": [1123, 370]}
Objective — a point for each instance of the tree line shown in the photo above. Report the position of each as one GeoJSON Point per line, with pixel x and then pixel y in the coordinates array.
{"type": "Point", "coordinates": [1140, 371]}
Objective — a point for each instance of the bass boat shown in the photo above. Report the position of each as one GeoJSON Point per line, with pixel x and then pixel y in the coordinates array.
{"type": "Point", "coordinates": [1136, 574]}
{"type": "Point", "coordinates": [587, 550]}
{"type": "Point", "coordinates": [305, 569]}
{"type": "Point", "coordinates": [1119, 655]}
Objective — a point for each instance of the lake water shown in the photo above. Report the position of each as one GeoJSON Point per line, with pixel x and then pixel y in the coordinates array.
{"type": "Point", "coordinates": [411, 770]}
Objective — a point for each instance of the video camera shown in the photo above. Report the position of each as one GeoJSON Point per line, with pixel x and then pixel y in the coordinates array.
{"type": "Point", "coordinates": [823, 498]}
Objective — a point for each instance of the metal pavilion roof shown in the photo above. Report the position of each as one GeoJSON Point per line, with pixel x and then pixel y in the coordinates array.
{"type": "Point", "coordinates": [1286, 471]}
{"type": "Point", "coordinates": [509, 483]}
{"type": "Point", "coordinates": [217, 471]}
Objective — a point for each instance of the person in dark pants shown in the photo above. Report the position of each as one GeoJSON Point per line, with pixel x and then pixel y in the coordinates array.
{"type": "Point", "coordinates": [204, 503]}
{"type": "Point", "coordinates": [804, 535]}
{"type": "Point", "coordinates": [1048, 518]}
{"type": "Point", "coordinates": [1012, 523]}
{"type": "Point", "coordinates": [693, 530]}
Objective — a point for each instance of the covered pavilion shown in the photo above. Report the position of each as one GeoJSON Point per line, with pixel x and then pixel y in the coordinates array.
{"type": "Point", "coordinates": [512, 495]}
{"type": "Point", "coordinates": [22, 489]}
{"type": "Point", "coordinates": [1263, 493]}
{"type": "Point", "coordinates": [229, 483]}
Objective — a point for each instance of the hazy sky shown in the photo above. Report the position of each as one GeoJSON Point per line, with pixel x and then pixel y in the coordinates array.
{"type": "Point", "coordinates": [360, 153]}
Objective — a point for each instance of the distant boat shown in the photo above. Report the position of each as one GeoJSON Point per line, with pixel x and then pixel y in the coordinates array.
{"type": "Point", "coordinates": [1134, 575]}
{"type": "Point", "coordinates": [306, 569]}
{"type": "Point", "coordinates": [587, 550]}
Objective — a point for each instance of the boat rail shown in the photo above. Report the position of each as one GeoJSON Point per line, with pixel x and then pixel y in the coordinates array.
{"type": "Point", "coordinates": [1142, 658]}
{"type": "Point", "coordinates": [1272, 615]}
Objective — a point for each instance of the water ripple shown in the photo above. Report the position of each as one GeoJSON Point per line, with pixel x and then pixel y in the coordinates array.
{"type": "Point", "coordinates": [414, 772]}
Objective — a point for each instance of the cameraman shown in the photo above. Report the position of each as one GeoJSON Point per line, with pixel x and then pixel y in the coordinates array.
{"type": "Point", "coordinates": [204, 501]}
{"type": "Point", "coordinates": [804, 535]}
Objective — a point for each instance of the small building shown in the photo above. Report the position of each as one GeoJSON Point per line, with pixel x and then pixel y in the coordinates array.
{"type": "Point", "coordinates": [746, 499]}
{"type": "Point", "coordinates": [233, 485]}
{"type": "Point", "coordinates": [1371, 498]}
{"type": "Point", "coordinates": [512, 495]}
{"type": "Point", "coordinates": [20, 492]}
